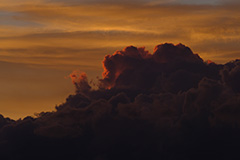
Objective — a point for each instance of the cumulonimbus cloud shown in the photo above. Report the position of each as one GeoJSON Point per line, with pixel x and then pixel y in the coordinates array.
{"type": "Point", "coordinates": [167, 105]}
{"type": "Point", "coordinates": [137, 68]}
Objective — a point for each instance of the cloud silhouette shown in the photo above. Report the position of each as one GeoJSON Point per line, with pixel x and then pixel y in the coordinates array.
{"type": "Point", "coordinates": [169, 68]}
{"type": "Point", "coordinates": [166, 105]}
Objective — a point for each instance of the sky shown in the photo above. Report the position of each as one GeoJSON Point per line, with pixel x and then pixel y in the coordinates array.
{"type": "Point", "coordinates": [43, 41]}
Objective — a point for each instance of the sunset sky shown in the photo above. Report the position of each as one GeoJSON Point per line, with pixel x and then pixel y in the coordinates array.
{"type": "Point", "coordinates": [43, 41]}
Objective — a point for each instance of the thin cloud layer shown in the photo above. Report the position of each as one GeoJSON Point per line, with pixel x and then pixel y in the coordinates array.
{"type": "Point", "coordinates": [211, 30]}
{"type": "Point", "coordinates": [167, 105]}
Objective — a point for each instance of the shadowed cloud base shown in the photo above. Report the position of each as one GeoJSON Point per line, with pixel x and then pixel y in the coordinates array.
{"type": "Point", "coordinates": [167, 105]}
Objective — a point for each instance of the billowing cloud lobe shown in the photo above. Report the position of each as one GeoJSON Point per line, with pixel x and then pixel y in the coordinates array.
{"type": "Point", "coordinates": [167, 105]}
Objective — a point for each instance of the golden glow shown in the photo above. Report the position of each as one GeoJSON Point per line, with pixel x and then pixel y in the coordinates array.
{"type": "Point", "coordinates": [57, 38]}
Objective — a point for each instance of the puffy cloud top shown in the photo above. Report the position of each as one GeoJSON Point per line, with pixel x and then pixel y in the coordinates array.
{"type": "Point", "coordinates": [137, 68]}
{"type": "Point", "coordinates": [166, 105]}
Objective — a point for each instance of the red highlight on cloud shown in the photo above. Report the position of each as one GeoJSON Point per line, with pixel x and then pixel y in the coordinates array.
{"type": "Point", "coordinates": [80, 80]}
{"type": "Point", "coordinates": [166, 105]}
{"type": "Point", "coordinates": [136, 67]}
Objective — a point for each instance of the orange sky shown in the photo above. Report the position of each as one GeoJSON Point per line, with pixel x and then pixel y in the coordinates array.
{"type": "Point", "coordinates": [43, 41]}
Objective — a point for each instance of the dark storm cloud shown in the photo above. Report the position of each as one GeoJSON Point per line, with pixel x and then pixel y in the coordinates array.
{"type": "Point", "coordinates": [136, 68]}
{"type": "Point", "coordinates": [231, 75]}
{"type": "Point", "coordinates": [166, 105]}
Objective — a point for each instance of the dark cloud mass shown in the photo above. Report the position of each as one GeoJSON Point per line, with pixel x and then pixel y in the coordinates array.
{"type": "Point", "coordinates": [167, 105]}
{"type": "Point", "coordinates": [169, 68]}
